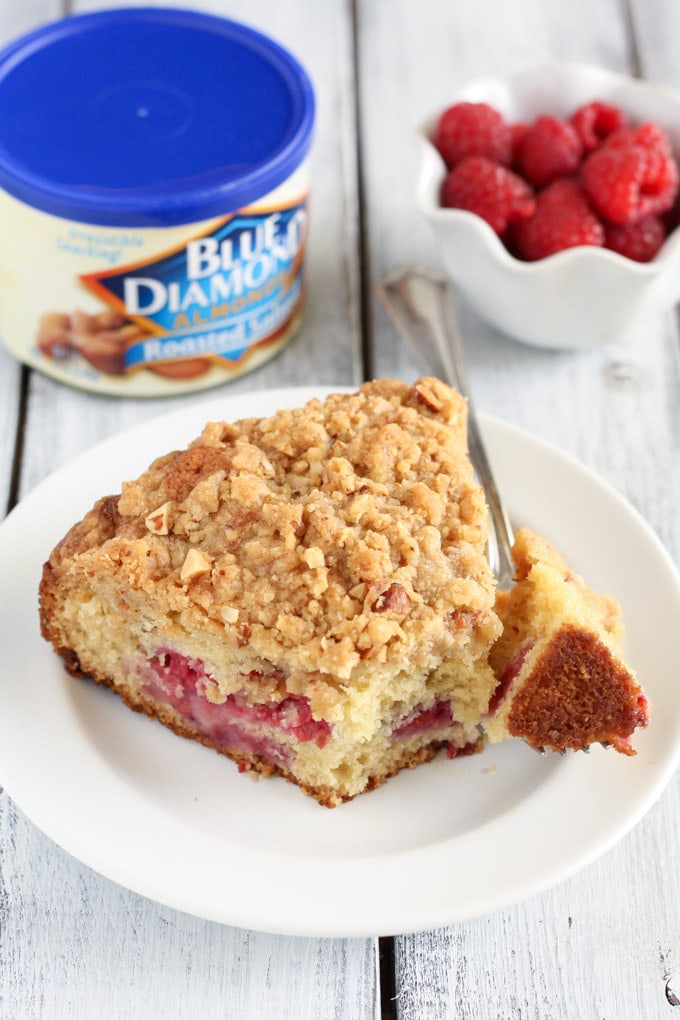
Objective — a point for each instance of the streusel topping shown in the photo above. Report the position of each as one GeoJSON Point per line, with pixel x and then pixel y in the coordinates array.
{"type": "Point", "coordinates": [351, 529]}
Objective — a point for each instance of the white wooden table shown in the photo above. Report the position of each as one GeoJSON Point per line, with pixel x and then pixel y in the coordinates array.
{"type": "Point", "coordinates": [603, 945]}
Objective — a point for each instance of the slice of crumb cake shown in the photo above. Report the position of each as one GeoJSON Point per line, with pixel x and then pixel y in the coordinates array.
{"type": "Point", "coordinates": [306, 593]}
{"type": "Point", "coordinates": [562, 682]}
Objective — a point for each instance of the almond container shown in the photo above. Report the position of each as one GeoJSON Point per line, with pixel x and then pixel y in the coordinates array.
{"type": "Point", "coordinates": [154, 176]}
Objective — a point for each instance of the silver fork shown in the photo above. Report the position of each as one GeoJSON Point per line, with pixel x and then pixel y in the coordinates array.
{"type": "Point", "coordinates": [419, 302]}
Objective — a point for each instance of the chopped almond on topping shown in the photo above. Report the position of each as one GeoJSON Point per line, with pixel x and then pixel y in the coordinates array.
{"type": "Point", "coordinates": [195, 564]}
{"type": "Point", "coordinates": [158, 521]}
{"type": "Point", "coordinates": [394, 600]}
{"type": "Point", "coordinates": [314, 557]}
{"type": "Point", "coordinates": [427, 393]}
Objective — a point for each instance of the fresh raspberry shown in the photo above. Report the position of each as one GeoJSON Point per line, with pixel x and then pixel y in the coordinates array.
{"type": "Point", "coordinates": [519, 129]}
{"type": "Point", "coordinates": [626, 181]}
{"type": "Point", "coordinates": [639, 241]}
{"type": "Point", "coordinates": [593, 122]}
{"type": "Point", "coordinates": [647, 135]}
{"type": "Point", "coordinates": [481, 186]}
{"type": "Point", "coordinates": [563, 219]}
{"type": "Point", "coordinates": [473, 129]}
{"type": "Point", "coordinates": [548, 149]}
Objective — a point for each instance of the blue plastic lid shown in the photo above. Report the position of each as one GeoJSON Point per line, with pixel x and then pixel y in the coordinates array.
{"type": "Point", "coordinates": [149, 117]}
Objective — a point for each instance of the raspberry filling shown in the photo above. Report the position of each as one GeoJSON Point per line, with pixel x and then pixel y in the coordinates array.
{"type": "Point", "coordinates": [510, 673]}
{"type": "Point", "coordinates": [420, 720]}
{"type": "Point", "coordinates": [234, 725]}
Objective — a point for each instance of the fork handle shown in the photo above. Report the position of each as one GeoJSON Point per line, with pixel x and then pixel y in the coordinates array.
{"type": "Point", "coordinates": [420, 304]}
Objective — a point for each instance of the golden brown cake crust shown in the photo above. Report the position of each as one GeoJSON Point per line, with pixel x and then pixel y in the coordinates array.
{"type": "Point", "coordinates": [577, 694]}
{"type": "Point", "coordinates": [98, 526]}
{"type": "Point", "coordinates": [562, 682]}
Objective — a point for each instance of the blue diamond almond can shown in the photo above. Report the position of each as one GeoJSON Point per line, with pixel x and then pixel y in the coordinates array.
{"type": "Point", "coordinates": [154, 210]}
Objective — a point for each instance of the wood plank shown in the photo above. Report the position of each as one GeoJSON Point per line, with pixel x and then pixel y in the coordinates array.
{"type": "Point", "coordinates": [10, 384]}
{"type": "Point", "coordinates": [604, 943]}
{"type": "Point", "coordinates": [72, 943]}
{"type": "Point", "coordinates": [656, 27]}
{"type": "Point", "coordinates": [14, 20]}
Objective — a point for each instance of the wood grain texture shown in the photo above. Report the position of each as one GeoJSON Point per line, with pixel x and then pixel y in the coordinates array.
{"type": "Point", "coordinates": [10, 376]}
{"type": "Point", "coordinates": [655, 29]}
{"type": "Point", "coordinates": [72, 944]}
{"type": "Point", "coordinates": [14, 19]}
{"type": "Point", "coordinates": [605, 943]}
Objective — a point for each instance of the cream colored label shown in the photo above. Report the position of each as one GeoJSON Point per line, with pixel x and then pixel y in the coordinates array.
{"type": "Point", "coordinates": [156, 310]}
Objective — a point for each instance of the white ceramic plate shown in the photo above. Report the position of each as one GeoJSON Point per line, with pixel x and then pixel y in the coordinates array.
{"type": "Point", "coordinates": [443, 843]}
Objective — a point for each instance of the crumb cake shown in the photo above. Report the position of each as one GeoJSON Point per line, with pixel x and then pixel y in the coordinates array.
{"type": "Point", "coordinates": [562, 682]}
{"type": "Point", "coordinates": [306, 593]}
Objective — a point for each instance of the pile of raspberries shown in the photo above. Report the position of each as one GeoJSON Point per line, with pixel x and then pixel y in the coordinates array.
{"type": "Point", "coordinates": [589, 179]}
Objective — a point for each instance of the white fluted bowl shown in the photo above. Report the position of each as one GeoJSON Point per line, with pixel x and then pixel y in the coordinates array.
{"type": "Point", "coordinates": [578, 298]}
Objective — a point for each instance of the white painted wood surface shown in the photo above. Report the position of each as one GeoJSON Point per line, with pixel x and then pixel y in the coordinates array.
{"type": "Point", "coordinates": [605, 943]}
{"type": "Point", "coordinates": [14, 19]}
{"type": "Point", "coordinates": [72, 944]}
